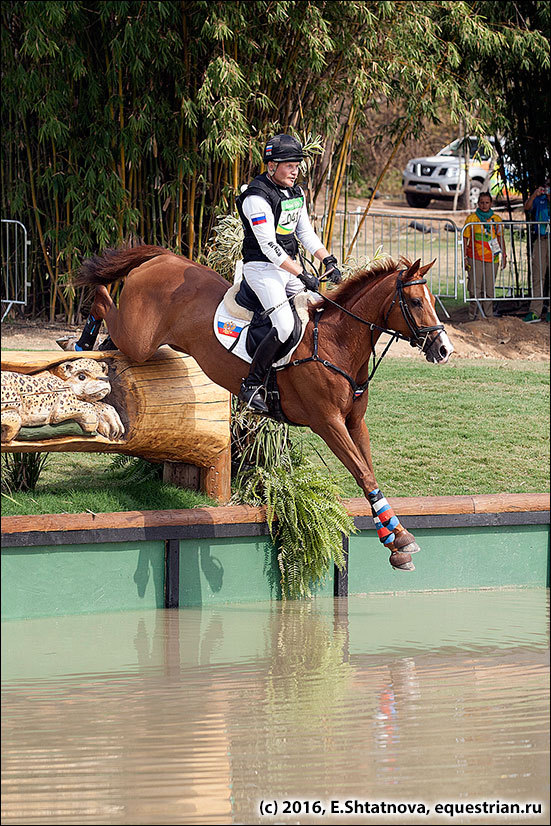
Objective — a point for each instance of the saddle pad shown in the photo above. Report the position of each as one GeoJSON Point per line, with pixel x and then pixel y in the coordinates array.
{"type": "Point", "coordinates": [231, 323]}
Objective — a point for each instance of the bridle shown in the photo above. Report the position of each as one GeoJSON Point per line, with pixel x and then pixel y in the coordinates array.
{"type": "Point", "coordinates": [418, 338]}
{"type": "Point", "coordinates": [418, 334]}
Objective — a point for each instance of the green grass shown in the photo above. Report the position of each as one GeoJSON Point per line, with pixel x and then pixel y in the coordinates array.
{"type": "Point", "coordinates": [463, 428]}
{"type": "Point", "coordinates": [80, 482]}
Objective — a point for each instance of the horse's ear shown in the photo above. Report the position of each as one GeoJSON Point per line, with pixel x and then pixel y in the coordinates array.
{"type": "Point", "coordinates": [412, 270]}
{"type": "Point", "coordinates": [424, 270]}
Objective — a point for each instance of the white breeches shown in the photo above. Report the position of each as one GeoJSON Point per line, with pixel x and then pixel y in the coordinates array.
{"type": "Point", "coordinates": [273, 286]}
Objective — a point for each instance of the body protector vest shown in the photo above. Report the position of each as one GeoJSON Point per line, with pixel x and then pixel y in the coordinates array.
{"type": "Point", "coordinates": [286, 210]}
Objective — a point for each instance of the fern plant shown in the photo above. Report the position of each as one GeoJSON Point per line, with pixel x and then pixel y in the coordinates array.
{"type": "Point", "coordinates": [306, 520]}
{"type": "Point", "coordinates": [305, 515]}
{"type": "Point", "coordinates": [225, 245]}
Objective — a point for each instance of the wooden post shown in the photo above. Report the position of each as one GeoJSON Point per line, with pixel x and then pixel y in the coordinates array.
{"type": "Point", "coordinates": [216, 479]}
{"type": "Point", "coordinates": [182, 475]}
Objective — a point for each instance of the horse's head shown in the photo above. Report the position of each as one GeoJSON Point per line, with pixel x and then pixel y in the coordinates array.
{"type": "Point", "coordinates": [411, 312]}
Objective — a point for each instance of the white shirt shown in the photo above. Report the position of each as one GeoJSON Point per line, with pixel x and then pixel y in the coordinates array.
{"type": "Point", "coordinates": [255, 206]}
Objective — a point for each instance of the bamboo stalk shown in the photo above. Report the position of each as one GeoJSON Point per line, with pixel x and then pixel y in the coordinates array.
{"type": "Point", "coordinates": [200, 222]}
{"type": "Point", "coordinates": [122, 170]}
{"type": "Point", "coordinates": [180, 185]}
{"type": "Point", "coordinates": [35, 202]}
{"type": "Point", "coordinates": [339, 176]}
{"type": "Point", "coordinates": [191, 214]}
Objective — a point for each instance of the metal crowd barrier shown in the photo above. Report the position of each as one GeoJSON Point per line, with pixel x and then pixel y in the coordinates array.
{"type": "Point", "coordinates": [413, 237]}
{"type": "Point", "coordinates": [525, 276]}
{"type": "Point", "coordinates": [14, 264]}
{"type": "Point", "coordinates": [522, 279]}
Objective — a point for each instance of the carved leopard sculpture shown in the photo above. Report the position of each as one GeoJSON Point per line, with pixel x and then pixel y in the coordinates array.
{"type": "Point", "coordinates": [70, 391]}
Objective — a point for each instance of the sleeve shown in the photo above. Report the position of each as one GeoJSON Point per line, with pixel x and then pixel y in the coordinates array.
{"type": "Point", "coordinates": [305, 232]}
{"type": "Point", "coordinates": [258, 212]}
{"type": "Point", "coordinates": [467, 228]}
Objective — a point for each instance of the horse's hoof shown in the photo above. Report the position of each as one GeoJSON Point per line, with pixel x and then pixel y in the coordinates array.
{"type": "Point", "coordinates": [407, 566]}
{"type": "Point", "coordinates": [402, 539]}
{"type": "Point", "coordinates": [412, 548]}
{"type": "Point", "coordinates": [67, 342]}
{"type": "Point", "coordinates": [401, 561]}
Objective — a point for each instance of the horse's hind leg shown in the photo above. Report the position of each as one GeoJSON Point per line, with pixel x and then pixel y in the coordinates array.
{"type": "Point", "coordinates": [130, 336]}
{"type": "Point", "coordinates": [393, 535]}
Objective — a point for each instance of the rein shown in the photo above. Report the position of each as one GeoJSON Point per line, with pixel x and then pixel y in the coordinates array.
{"type": "Point", "coordinates": [417, 339]}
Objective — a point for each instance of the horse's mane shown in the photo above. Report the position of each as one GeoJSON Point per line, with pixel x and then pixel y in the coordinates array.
{"type": "Point", "coordinates": [376, 271]}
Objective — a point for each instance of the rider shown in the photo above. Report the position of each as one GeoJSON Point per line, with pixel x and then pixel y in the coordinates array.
{"type": "Point", "coordinates": [273, 212]}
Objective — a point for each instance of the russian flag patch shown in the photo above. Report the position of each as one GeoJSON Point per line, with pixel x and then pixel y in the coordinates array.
{"type": "Point", "coordinates": [229, 328]}
{"type": "Point", "coordinates": [260, 218]}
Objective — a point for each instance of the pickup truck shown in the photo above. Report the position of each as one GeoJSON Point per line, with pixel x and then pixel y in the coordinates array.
{"type": "Point", "coordinates": [440, 176]}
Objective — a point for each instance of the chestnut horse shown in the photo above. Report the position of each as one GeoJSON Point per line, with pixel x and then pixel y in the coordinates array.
{"type": "Point", "coordinates": [168, 299]}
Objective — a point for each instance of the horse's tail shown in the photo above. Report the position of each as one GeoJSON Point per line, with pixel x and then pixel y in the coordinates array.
{"type": "Point", "coordinates": [113, 264]}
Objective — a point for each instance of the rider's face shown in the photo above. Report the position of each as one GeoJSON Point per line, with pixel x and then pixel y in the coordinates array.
{"type": "Point", "coordinates": [286, 172]}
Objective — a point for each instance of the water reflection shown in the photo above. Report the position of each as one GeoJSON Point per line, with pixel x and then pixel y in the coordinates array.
{"type": "Point", "coordinates": [194, 716]}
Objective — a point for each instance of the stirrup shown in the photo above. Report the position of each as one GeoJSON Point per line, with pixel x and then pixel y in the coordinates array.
{"type": "Point", "coordinates": [254, 397]}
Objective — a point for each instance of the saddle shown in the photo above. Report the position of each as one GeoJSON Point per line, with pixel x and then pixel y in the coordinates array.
{"type": "Point", "coordinates": [240, 323]}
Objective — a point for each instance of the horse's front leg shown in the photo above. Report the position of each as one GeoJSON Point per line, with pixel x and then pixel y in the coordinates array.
{"type": "Point", "coordinates": [337, 437]}
{"type": "Point", "coordinates": [391, 532]}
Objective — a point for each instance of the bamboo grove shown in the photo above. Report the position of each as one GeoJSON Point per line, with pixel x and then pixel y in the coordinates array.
{"type": "Point", "coordinates": [141, 120]}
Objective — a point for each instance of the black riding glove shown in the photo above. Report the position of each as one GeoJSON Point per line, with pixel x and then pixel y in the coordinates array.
{"type": "Point", "coordinates": [309, 281]}
{"type": "Point", "coordinates": [330, 263]}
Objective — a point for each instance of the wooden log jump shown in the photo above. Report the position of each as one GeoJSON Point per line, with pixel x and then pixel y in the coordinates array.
{"type": "Point", "coordinates": [171, 412]}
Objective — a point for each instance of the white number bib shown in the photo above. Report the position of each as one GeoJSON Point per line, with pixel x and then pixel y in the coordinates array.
{"type": "Point", "coordinates": [290, 213]}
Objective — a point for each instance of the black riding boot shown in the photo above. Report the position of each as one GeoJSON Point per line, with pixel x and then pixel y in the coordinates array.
{"type": "Point", "coordinates": [252, 389]}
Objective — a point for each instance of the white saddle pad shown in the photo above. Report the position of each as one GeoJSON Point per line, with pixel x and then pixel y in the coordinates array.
{"type": "Point", "coordinates": [231, 323]}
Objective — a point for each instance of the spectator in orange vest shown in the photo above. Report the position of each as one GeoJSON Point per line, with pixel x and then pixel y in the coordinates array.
{"type": "Point", "coordinates": [483, 243]}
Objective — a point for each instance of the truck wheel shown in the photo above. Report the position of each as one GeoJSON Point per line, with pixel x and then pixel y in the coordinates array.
{"type": "Point", "coordinates": [417, 200]}
{"type": "Point", "coordinates": [472, 203]}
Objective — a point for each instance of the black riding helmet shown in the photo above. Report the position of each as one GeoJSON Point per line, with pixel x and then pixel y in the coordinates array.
{"type": "Point", "coordinates": [283, 148]}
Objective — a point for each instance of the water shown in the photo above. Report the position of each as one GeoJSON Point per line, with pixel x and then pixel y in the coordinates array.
{"type": "Point", "coordinates": [197, 716]}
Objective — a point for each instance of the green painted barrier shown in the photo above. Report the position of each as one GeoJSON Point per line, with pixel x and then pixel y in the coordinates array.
{"type": "Point", "coordinates": [76, 579]}
{"type": "Point", "coordinates": [124, 562]}
{"type": "Point", "coordinates": [485, 557]}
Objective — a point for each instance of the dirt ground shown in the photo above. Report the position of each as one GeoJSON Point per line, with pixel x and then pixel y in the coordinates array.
{"type": "Point", "coordinates": [507, 337]}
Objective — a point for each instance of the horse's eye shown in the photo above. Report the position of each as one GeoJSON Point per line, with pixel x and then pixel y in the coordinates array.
{"type": "Point", "coordinates": [81, 376]}
{"type": "Point", "coordinates": [416, 302]}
